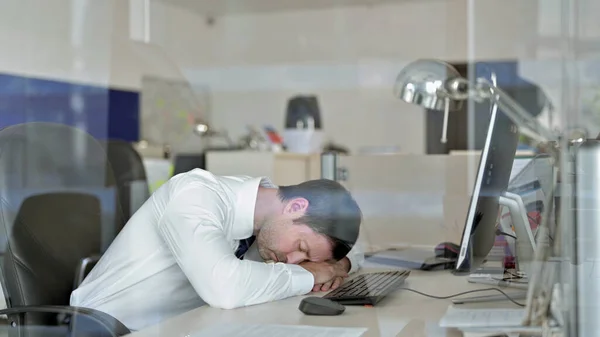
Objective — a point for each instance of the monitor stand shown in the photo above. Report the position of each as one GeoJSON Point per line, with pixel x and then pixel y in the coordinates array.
{"type": "Point", "coordinates": [524, 251]}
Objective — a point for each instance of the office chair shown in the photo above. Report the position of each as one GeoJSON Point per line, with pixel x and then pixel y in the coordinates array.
{"type": "Point", "coordinates": [52, 234]}
{"type": "Point", "coordinates": [129, 177]}
{"type": "Point", "coordinates": [52, 160]}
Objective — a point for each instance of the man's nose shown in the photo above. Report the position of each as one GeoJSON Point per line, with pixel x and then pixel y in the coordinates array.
{"type": "Point", "coordinates": [296, 257]}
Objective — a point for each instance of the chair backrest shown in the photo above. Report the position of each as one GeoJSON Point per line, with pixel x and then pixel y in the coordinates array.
{"type": "Point", "coordinates": [21, 167]}
{"type": "Point", "coordinates": [129, 176]}
{"type": "Point", "coordinates": [51, 234]}
{"type": "Point", "coordinates": [44, 157]}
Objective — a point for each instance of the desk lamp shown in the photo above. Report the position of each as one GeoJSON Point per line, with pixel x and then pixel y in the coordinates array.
{"type": "Point", "coordinates": [203, 130]}
{"type": "Point", "coordinates": [436, 85]}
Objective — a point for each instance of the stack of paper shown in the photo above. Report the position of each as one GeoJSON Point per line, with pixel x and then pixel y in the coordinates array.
{"type": "Point", "coordinates": [262, 330]}
{"type": "Point", "coordinates": [518, 165]}
{"type": "Point", "coordinates": [487, 322]}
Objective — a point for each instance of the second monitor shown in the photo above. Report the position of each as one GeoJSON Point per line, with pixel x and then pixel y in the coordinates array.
{"type": "Point", "coordinates": [491, 183]}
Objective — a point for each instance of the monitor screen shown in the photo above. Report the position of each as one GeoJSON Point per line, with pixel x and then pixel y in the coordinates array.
{"type": "Point", "coordinates": [492, 180]}
{"type": "Point", "coordinates": [188, 162]}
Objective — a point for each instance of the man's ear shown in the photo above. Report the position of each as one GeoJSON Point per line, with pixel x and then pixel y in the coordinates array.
{"type": "Point", "coordinates": [296, 206]}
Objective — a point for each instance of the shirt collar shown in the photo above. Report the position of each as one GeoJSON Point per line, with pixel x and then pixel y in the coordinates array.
{"type": "Point", "coordinates": [244, 206]}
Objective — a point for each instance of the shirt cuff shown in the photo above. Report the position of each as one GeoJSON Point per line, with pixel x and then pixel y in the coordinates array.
{"type": "Point", "coordinates": [302, 280]}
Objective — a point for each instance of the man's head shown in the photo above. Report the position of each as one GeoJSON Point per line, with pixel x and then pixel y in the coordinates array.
{"type": "Point", "coordinates": [318, 221]}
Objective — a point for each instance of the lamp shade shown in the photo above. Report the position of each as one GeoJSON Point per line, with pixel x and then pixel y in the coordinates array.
{"type": "Point", "coordinates": [425, 83]}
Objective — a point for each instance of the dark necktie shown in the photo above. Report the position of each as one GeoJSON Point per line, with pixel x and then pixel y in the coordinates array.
{"type": "Point", "coordinates": [243, 248]}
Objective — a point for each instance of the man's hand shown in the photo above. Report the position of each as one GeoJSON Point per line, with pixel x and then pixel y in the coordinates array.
{"type": "Point", "coordinates": [324, 272]}
{"type": "Point", "coordinates": [338, 272]}
{"type": "Point", "coordinates": [331, 285]}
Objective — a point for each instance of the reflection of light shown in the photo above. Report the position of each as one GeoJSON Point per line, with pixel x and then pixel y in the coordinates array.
{"type": "Point", "coordinates": [432, 86]}
{"type": "Point", "coordinates": [201, 128]}
{"type": "Point", "coordinates": [139, 20]}
{"type": "Point", "coordinates": [77, 103]}
{"type": "Point", "coordinates": [78, 21]}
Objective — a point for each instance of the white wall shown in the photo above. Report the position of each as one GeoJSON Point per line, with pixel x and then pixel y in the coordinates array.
{"type": "Point", "coordinates": [57, 39]}
{"type": "Point", "coordinates": [84, 41]}
{"type": "Point", "coordinates": [348, 56]}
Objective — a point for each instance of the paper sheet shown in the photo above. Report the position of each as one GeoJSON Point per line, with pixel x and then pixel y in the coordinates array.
{"type": "Point", "coordinates": [488, 334]}
{"type": "Point", "coordinates": [518, 165]}
{"type": "Point", "coordinates": [261, 330]}
{"type": "Point", "coordinates": [482, 318]}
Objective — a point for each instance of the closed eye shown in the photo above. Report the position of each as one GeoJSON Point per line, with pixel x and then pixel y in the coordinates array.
{"type": "Point", "coordinates": [305, 250]}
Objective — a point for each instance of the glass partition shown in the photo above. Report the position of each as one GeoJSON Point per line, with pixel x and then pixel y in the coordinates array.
{"type": "Point", "coordinates": [405, 198]}
{"type": "Point", "coordinates": [174, 82]}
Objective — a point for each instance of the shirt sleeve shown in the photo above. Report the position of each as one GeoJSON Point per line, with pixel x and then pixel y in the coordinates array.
{"type": "Point", "coordinates": [192, 229]}
{"type": "Point", "coordinates": [356, 257]}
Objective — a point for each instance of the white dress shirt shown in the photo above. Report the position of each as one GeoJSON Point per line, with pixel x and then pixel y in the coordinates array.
{"type": "Point", "coordinates": [176, 253]}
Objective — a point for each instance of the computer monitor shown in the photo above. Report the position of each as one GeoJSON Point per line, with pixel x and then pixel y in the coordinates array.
{"type": "Point", "coordinates": [491, 182]}
{"type": "Point", "coordinates": [189, 161]}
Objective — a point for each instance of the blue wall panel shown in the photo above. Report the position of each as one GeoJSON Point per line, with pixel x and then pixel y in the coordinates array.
{"type": "Point", "coordinates": [102, 112]}
{"type": "Point", "coordinates": [124, 115]}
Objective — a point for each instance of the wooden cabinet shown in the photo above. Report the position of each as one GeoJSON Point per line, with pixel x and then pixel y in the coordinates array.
{"type": "Point", "coordinates": [282, 168]}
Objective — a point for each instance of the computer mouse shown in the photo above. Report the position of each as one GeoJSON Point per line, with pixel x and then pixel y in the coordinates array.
{"type": "Point", "coordinates": [447, 249]}
{"type": "Point", "coordinates": [318, 306]}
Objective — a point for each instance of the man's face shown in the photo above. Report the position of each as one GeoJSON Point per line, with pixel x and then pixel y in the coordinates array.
{"type": "Point", "coordinates": [282, 240]}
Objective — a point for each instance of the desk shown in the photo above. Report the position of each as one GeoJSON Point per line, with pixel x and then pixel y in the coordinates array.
{"type": "Point", "coordinates": [388, 318]}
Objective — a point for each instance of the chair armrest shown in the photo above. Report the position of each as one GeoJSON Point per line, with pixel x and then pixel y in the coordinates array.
{"type": "Point", "coordinates": [106, 321]}
{"type": "Point", "coordinates": [84, 267]}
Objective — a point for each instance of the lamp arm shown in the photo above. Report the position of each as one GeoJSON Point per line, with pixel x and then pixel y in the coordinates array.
{"type": "Point", "coordinates": [514, 110]}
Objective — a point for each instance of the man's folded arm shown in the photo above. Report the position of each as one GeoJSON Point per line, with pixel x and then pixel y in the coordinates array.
{"type": "Point", "coordinates": [195, 237]}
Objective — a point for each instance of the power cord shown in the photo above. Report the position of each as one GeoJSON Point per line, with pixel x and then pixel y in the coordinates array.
{"type": "Point", "coordinates": [499, 232]}
{"type": "Point", "coordinates": [465, 293]}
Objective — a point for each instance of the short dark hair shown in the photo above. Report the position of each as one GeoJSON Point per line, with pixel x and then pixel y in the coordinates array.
{"type": "Point", "coordinates": [332, 211]}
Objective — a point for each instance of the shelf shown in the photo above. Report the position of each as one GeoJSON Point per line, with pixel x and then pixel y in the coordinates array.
{"type": "Point", "coordinates": [225, 7]}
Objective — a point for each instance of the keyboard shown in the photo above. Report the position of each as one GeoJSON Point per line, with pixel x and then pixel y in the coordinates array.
{"type": "Point", "coordinates": [368, 289]}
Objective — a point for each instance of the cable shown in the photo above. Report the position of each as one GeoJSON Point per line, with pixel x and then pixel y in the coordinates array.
{"type": "Point", "coordinates": [465, 293]}
{"type": "Point", "coordinates": [499, 232]}
{"type": "Point", "coordinates": [536, 232]}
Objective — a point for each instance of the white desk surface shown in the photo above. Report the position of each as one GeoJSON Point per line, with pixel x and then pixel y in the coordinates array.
{"type": "Point", "coordinates": [402, 314]}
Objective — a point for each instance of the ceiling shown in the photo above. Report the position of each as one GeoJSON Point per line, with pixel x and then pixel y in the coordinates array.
{"type": "Point", "coordinates": [224, 7]}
